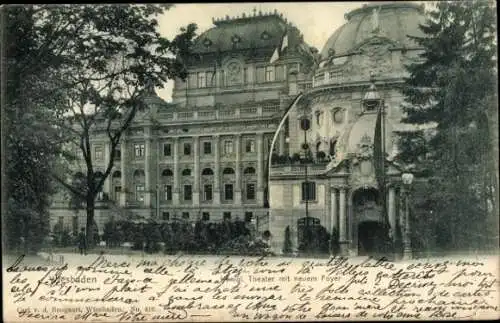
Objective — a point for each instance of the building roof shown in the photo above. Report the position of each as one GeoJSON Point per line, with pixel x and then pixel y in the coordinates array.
{"type": "Point", "coordinates": [394, 21]}
{"type": "Point", "coordinates": [260, 30]}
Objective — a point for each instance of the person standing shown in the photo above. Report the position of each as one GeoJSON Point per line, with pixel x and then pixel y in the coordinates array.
{"type": "Point", "coordinates": [82, 242]}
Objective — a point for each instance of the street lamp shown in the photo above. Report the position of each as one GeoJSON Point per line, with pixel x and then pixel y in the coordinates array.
{"type": "Point", "coordinates": [305, 125]}
{"type": "Point", "coordinates": [407, 179]}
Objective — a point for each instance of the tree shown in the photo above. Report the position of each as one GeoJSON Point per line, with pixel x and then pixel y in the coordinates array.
{"type": "Point", "coordinates": [30, 141]}
{"type": "Point", "coordinates": [113, 58]}
{"type": "Point", "coordinates": [453, 88]}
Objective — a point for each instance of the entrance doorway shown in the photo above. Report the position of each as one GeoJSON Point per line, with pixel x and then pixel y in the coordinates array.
{"type": "Point", "coordinates": [370, 235]}
{"type": "Point", "coordinates": [371, 238]}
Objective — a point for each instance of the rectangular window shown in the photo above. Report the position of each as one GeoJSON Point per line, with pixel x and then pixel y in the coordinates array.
{"type": "Point", "coordinates": [207, 193]}
{"type": "Point", "coordinates": [270, 73]}
{"type": "Point", "coordinates": [187, 149]}
{"type": "Point", "coordinates": [185, 215]}
{"type": "Point", "coordinates": [226, 215]}
{"type": "Point", "coordinates": [188, 193]}
{"type": "Point", "coordinates": [118, 190]}
{"type": "Point", "coordinates": [261, 74]}
{"type": "Point", "coordinates": [165, 216]}
{"type": "Point", "coordinates": [308, 191]}
{"type": "Point", "coordinates": [98, 153]}
{"type": "Point", "coordinates": [139, 150]}
{"type": "Point", "coordinates": [250, 146]}
{"type": "Point", "coordinates": [167, 150]}
{"type": "Point", "coordinates": [139, 193]}
{"type": "Point", "coordinates": [248, 216]}
{"type": "Point", "coordinates": [250, 192]}
{"type": "Point", "coordinates": [202, 80]}
{"type": "Point", "coordinates": [228, 192]}
{"type": "Point", "coordinates": [210, 75]}
{"type": "Point", "coordinates": [168, 192]}
{"type": "Point", "coordinates": [118, 154]}
{"type": "Point", "coordinates": [228, 147]}
{"type": "Point", "coordinates": [207, 148]}
{"type": "Point", "coordinates": [245, 75]}
{"type": "Point", "coordinates": [205, 216]}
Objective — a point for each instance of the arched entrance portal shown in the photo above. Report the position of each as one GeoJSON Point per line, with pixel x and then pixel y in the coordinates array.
{"type": "Point", "coordinates": [370, 238]}
{"type": "Point", "coordinates": [369, 229]}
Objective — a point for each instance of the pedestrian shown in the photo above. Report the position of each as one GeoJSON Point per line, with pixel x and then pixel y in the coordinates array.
{"type": "Point", "coordinates": [82, 242]}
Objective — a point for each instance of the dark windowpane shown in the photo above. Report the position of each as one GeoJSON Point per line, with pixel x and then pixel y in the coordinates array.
{"type": "Point", "coordinates": [228, 191]}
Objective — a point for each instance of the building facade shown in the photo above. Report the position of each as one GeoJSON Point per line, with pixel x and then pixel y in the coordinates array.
{"type": "Point", "coordinates": [205, 154]}
{"type": "Point", "coordinates": [360, 73]}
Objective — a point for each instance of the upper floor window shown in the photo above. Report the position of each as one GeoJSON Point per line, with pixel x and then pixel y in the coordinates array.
{"type": "Point", "coordinates": [186, 172]}
{"type": "Point", "coordinates": [188, 193]}
{"type": "Point", "coordinates": [250, 146]}
{"type": "Point", "coordinates": [98, 152]}
{"type": "Point", "coordinates": [228, 192]}
{"type": "Point", "coordinates": [168, 192]}
{"type": "Point", "coordinates": [210, 76]}
{"type": "Point", "coordinates": [207, 192]}
{"type": "Point", "coordinates": [308, 191]}
{"type": "Point", "coordinates": [202, 81]}
{"type": "Point", "coordinates": [167, 150]}
{"type": "Point", "coordinates": [118, 153]}
{"type": "Point", "coordinates": [228, 147]}
{"type": "Point", "coordinates": [269, 74]}
{"type": "Point", "coordinates": [187, 149]}
{"type": "Point", "coordinates": [139, 150]}
{"type": "Point", "coordinates": [250, 191]}
{"type": "Point", "coordinates": [207, 148]}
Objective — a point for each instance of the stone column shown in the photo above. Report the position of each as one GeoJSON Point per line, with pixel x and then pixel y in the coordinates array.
{"type": "Point", "coordinates": [196, 186]}
{"type": "Point", "coordinates": [147, 169]}
{"type": "Point", "coordinates": [342, 221]}
{"type": "Point", "coordinates": [333, 209]}
{"type": "Point", "coordinates": [392, 213]}
{"type": "Point", "coordinates": [123, 170]}
{"type": "Point", "coordinates": [238, 189]}
{"type": "Point", "coordinates": [216, 190]}
{"type": "Point", "coordinates": [260, 165]}
{"type": "Point", "coordinates": [176, 189]}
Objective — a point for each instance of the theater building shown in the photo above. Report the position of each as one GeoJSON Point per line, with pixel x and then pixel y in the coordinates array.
{"type": "Point", "coordinates": [360, 71]}
{"type": "Point", "coordinates": [205, 154]}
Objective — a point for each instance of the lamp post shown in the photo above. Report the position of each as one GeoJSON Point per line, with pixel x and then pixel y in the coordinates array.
{"type": "Point", "coordinates": [305, 125]}
{"type": "Point", "coordinates": [407, 179]}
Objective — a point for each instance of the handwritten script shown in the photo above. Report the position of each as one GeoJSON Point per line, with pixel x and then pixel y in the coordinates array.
{"type": "Point", "coordinates": [208, 288]}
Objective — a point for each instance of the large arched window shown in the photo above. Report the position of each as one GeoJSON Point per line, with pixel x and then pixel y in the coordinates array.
{"type": "Point", "coordinates": [207, 171]}
{"type": "Point", "coordinates": [228, 171]}
{"type": "Point", "coordinates": [186, 172]}
{"type": "Point", "coordinates": [249, 170]}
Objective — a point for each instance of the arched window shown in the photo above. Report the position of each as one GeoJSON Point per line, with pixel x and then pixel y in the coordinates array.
{"type": "Point", "coordinates": [186, 172]}
{"type": "Point", "coordinates": [228, 171]}
{"type": "Point", "coordinates": [167, 173]}
{"type": "Point", "coordinates": [117, 174]}
{"type": "Point", "coordinates": [249, 170]}
{"type": "Point", "coordinates": [138, 173]}
{"type": "Point", "coordinates": [207, 171]}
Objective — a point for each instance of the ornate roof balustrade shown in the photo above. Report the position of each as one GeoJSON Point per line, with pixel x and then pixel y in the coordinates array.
{"type": "Point", "coordinates": [222, 113]}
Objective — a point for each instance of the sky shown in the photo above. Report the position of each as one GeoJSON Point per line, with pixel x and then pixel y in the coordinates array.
{"type": "Point", "coordinates": [316, 20]}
